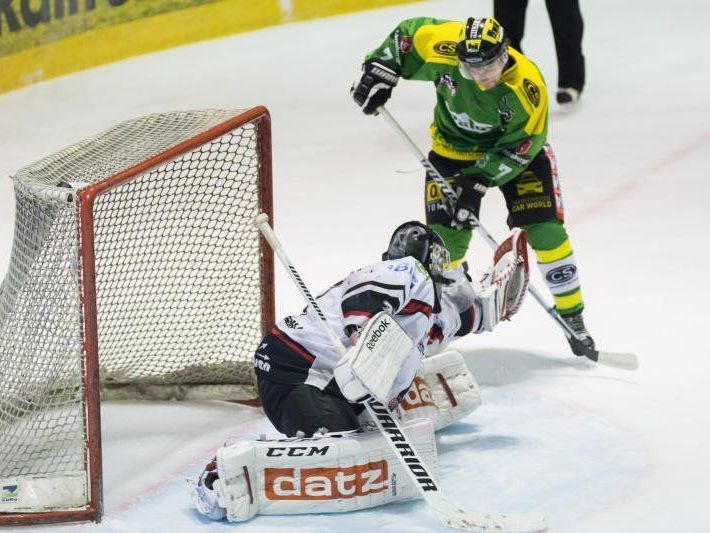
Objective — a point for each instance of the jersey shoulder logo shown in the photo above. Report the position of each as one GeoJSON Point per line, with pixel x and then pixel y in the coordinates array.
{"type": "Point", "coordinates": [445, 48]}
{"type": "Point", "coordinates": [532, 92]}
{"type": "Point", "coordinates": [448, 82]}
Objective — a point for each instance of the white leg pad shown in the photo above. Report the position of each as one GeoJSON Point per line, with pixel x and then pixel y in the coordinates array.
{"type": "Point", "coordinates": [444, 390]}
{"type": "Point", "coordinates": [329, 474]}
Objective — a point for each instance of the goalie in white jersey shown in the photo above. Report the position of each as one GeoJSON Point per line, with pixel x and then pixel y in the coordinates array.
{"type": "Point", "coordinates": [307, 388]}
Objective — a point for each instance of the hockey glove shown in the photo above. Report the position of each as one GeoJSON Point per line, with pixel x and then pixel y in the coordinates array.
{"type": "Point", "coordinates": [503, 286]}
{"type": "Point", "coordinates": [470, 188]}
{"type": "Point", "coordinates": [374, 87]}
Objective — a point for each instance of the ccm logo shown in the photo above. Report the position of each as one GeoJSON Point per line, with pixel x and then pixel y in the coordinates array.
{"type": "Point", "coordinates": [418, 395]}
{"type": "Point", "coordinates": [297, 451]}
{"type": "Point", "coordinates": [325, 483]}
{"type": "Point", "coordinates": [561, 274]}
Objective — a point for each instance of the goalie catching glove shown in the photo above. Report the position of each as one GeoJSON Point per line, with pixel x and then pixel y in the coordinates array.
{"type": "Point", "coordinates": [374, 87]}
{"type": "Point", "coordinates": [503, 287]}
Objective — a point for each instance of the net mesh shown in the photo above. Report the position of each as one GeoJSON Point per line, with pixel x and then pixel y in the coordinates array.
{"type": "Point", "coordinates": [177, 262]}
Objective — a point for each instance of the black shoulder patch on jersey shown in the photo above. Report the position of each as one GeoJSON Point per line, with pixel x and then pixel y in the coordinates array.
{"type": "Point", "coordinates": [532, 92]}
{"type": "Point", "coordinates": [370, 297]}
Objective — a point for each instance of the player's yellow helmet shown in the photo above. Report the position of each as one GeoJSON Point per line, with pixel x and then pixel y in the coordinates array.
{"type": "Point", "coordinates": [481, 41]}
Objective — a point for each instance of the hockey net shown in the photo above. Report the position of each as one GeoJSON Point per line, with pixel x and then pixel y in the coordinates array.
{"type": "Point", "coordinates": [134, 265]}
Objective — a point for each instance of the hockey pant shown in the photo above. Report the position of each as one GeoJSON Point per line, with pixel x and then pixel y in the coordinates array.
{"type": "Point", "coordinates": [534, 202]}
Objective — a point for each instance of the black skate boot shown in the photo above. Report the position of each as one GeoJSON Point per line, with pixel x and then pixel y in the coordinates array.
{"type": "Point", "coordinates": [583, 343]}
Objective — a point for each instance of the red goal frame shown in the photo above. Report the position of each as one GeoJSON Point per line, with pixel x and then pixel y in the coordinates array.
{"type": "Point", "coordinates": [259, 117]}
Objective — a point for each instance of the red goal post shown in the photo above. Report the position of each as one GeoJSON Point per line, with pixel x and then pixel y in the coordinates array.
{"type": "Point", "coordinates": [135, 273]}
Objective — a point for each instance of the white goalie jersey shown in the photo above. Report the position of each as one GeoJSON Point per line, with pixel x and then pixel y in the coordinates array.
{"type": "Point", "coordinates": [298, 351]}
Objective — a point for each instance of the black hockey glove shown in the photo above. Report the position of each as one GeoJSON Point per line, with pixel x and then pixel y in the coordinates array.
{"type": "Point", "coordinates": [374, 87]}
{"type": "Point", "coordinates": [470, 188]}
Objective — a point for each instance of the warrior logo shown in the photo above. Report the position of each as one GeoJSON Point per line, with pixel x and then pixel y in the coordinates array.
{"type": "Point", "coordinates": [532, 92]}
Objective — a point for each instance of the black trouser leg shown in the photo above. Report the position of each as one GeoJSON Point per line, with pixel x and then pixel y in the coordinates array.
{"type": "Point", "coordinates": [294, 408]}
{"type": "Point", "coordinates": [567, 28]}
{"type": "Point", "coordinates": [511, 15]}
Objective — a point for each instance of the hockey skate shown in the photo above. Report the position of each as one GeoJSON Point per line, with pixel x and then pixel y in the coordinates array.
{"type": "Point", "coordinates": [567, 96]}
{"type": "Point", "coordinates": [582, 343]}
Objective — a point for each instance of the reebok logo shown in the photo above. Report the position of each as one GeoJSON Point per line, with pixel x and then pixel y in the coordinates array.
{"type": "Point", "coordinates": [325, 483]}
{"type": "Point", "coordinates": [384, 324]}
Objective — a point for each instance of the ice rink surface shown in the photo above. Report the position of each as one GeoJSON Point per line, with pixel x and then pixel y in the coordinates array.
{"type": "Point", "coordinates": [594, 449]}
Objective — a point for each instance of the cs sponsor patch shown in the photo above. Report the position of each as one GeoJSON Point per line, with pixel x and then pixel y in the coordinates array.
{"type": "Point", "coordinates": [562, 274]}
{"type": "Point", "coordinates": [532, 92]}
{"type": "Point", "coordinates": [445, 48]}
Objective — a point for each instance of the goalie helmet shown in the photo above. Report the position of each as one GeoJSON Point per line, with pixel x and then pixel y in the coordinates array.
{"type": "Point", "coordinates": [423, 244]}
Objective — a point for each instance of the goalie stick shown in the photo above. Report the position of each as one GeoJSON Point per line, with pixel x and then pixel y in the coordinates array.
{"type": "Point", "coordinates": [449, 514]}
{"type": "Point", "coordinates": [626, 361]}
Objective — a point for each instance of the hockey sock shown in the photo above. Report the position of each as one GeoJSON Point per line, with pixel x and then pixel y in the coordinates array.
{"type": "Point", "coordinates": [557, 264]}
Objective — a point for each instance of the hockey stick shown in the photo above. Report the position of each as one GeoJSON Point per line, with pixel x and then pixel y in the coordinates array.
{"type": "Point", "coordinates": [627, 361]}
{"type": "Point", "coordinates": [449, 514]}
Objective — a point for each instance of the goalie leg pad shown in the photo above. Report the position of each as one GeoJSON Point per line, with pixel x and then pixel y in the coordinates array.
{"type": "Point", "coordinates": [444, 391]}
{"type": "Point", "coordinates": [329, 474]}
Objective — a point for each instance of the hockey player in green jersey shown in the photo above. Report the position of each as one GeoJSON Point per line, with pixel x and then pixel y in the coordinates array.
{"type": "Point", "coordinates": [489, 130]}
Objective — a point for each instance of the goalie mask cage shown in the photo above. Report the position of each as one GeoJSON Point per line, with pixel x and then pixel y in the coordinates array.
{"type": "Point", "coordinates": [134, 265]}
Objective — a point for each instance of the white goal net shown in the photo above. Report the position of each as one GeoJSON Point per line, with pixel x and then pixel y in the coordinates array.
{"type": "Point", "coordinates": [134, 263]}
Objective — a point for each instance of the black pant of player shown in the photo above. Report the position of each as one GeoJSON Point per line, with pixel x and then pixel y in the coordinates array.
{"type": "Point", "coordinates": [294, 408]}
{"type": "Point", "coordinates": [567, 28]}
{"type": "Point", "coordinates": [532, 197]}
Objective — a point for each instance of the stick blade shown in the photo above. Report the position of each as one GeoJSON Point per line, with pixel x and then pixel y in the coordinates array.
{"type": "Point", "coordinates": [499, 523]}
{"type": "Point", "coordinates": [623, 360]}
{"type": "Point", "coordinates": [455, 518]}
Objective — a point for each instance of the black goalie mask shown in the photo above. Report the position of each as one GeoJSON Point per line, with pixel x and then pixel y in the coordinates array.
{"type": "Point", "coordinates": [423, 244]}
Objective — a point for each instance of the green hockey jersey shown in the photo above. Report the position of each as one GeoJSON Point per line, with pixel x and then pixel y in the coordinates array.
{"type": "Point", "coordinates": [499, 130]}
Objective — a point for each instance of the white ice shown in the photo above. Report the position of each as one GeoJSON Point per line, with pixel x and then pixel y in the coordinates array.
{"type": "Point", "coordinates": [594, 449]}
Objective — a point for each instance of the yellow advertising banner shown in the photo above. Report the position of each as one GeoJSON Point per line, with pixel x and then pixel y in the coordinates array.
{"type": "Point", "coordinates": [42, 39]}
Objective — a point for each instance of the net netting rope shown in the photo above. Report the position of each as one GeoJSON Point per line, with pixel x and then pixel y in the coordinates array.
{"type": "Point", "coordinates": [177, 276]}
